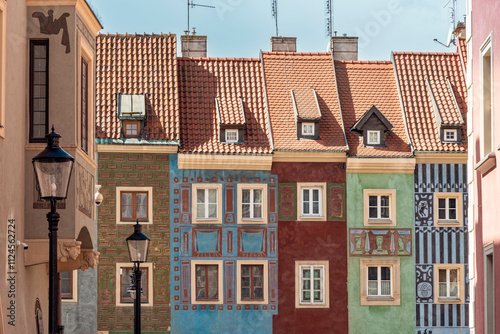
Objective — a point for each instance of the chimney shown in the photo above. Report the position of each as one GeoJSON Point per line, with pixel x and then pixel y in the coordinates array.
{"type": "Point", "coordinates": [460, 29]}
{"type": "Point", "coordinates": [284, 44]}
{"type": "Point", "coordinates": [193, 45]}
{"type": "Point", "coordinates": [344, 47]}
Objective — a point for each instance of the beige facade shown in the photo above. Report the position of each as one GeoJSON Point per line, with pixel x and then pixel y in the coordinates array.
{"type": "Point", "coordinates": [67, 29]}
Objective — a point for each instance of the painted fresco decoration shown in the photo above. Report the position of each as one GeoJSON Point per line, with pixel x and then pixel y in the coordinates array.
{"type": "Point", "coordinates": [84, 190]}
{"type": "Point", "coordinates": [49, 26]}
{"type": "Point", "coordinates": [378, 242]}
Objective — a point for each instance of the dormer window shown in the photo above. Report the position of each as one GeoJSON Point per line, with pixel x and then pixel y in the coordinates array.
{"type": "Point", "coordinates": [231, 136]}
{"type": "Point", "coordinates": [308, 129]}
{"type": "Point", "coordinates": [450, 135]}
{"type": "Point", "coordinates": [131, 128]}
{"type": "Point", "coordinates": [373, 137]}
{"type": "Point", "coordinates": [131, 112]}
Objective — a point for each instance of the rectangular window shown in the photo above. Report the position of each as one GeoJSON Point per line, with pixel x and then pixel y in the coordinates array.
{"type": "Point", "coordinates": [450, 135]}
{"type": "Point", "coordinates": [68, 285]}
{"type": "Point", "coordinates": [486, 98]}
{"type": "Point", "coordinates": [448, 209]}
{"type": "Point", "coordinates": [131, 128]}
{"type": "Point", "coordinates": [206, 282]}
{"type": "Point", "coordinates": [39, 90]}
{"type": "Point", "coordinates": [373, 137]}
{"type": "Point", "coordinates": [379, 207]}
{"type": "Point", "coordinates": [231, 136]}
{"type": "Point", "coordinates": [449, 283]}
{"type": "Point", "coordinates": [308, 129]}
{"type": "Point", "coordinates": [312, 201]}
{"type": "Point", "coordinates": [3, 7]}
{"type": "Point", "coordinates": [252, 203]}
{"type": "Point", "coordinates": [124, 280]}
{"type": "Point", "coordinates": [84, 105]}
{"type": "Point", "coordinates": [311, 289]}
{"type": "Point", "coordinates": [252, 283]}
{"type": "Point", "coordinates": [132, 105]}
{"type": "Point", "coordinates": [380, 281]}
{"type": "Point", "coordinates": [207, 203]}
{"type": "Point", "coordinates": [489, 289]}
{"type": "Point", "coordinates": [134, 203]}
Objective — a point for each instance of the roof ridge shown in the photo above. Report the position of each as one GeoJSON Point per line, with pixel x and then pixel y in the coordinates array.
{"type": "Point", "coordinates": [219, 59]}
{"type": "Point", "coordinates": [297, 53]}
{"type": "Point", "coordinates": [376, 62]}
{"type": "Point", "coordinates": [135, 35]}
{"type": "Point", "coordinates": [426, 53]}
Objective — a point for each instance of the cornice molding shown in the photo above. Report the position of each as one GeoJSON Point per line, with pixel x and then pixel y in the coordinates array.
{"type": "Point", "coordinates": [300, 156]}
{"type": "Point", "coordinates": [437, 157]}
{"type": "Point", "coordinates": [167, 149]}
{"type": "Point", "coordinates": [381, 165]}
{"type": "Point", "coordinates": [221, 161]}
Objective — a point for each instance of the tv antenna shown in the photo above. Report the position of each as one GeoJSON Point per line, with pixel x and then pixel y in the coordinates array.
{"type": "Point", "coordinates": [192, 4]}
{"type": "Point", "coordinates": [453, 20]}
{"type": "Point", "coordinates": [274, 13]}
{"type": "Point", "coordinates": [328, 18]}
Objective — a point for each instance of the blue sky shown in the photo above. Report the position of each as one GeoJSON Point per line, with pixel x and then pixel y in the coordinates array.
{"type": "Point", "coordinates": [241, 28]}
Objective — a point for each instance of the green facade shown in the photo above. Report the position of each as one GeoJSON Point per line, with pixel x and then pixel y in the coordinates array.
{"type": "Point", "coordinates": [381, 319]}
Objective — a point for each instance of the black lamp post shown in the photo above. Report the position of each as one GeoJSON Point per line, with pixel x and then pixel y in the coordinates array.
{"type": "Point", "coordinates": [53, 168]}
{"type": "Point", "coordinates": [138, 245]}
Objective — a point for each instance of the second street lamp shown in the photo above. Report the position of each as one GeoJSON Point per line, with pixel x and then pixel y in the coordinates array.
{"type": "Point", "coordinates": [53, 168]}
{"type": "Point", "coordinates": [138, 245]}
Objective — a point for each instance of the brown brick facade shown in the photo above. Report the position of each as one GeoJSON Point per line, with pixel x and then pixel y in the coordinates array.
{"type": "Point", "coordinates": [134, 170]}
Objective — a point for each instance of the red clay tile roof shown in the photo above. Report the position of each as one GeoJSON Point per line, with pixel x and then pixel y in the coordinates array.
{"type": "Point", "coordinates": [412, 70]}
{"type": "Point", "coordinates": [361, 85]}
{"type": "Point", "coordinates": [462, 49]}
{"type": "Point", "coordinates": [306, 104]}
{"type": "Point", "coordinates": [231, 111]}
{"type": "Point", "coordinates": [442, 93]}
{"type": "Point", "coordinates": [302, 72]}
{"type": "Point", "coordinates": [201, 81]}
{"type": "Point", "coordinates": [137, 64]}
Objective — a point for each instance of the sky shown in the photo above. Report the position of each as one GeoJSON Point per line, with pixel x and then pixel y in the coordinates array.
{"type": "Point", "coordinates": [241, 28]}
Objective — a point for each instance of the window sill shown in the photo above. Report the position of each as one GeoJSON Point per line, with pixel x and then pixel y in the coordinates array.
{"type": "Point", "coordinates": [379, 221]}
{"type": "Point", "coordinates": [207, 221]}
{"type": "Point", "coordinates": [252, 221]}
{"type": "Point", "coordinates": [447, 300]}
{"type": "Point", "coordinates": [486, 164]}
{"type": "Point", "coordinates": [133, 222]}
{"type": "Point", "coordinates": [379, 298]}
{"type": "Point", "coordinates": [448, 223]}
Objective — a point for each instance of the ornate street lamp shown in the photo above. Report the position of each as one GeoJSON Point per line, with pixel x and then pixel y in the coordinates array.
{"type": "Point", "coordinates": [138, 245]}
{"type": "Point", "coordinates": [53, 168]}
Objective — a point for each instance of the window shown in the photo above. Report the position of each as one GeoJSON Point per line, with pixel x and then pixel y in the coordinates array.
{"type": "Point", "coordinates": [231, 136]}
{"type": "Point", "coordinates": [252, 282]}
{"type": "Point", "coordinates": [68, 285]}
{"type": "Point", "coordinates": [380, 281]}
{"type": "Point", "coordinates": [448, 209]}
{"type": "Point", "coordinates": [489, 288]}
{"type": "Point", "coordinates": [450, 135]}
{"type": "Point", "coordinates": [311, 288]}
{"type": "Point", "coordinates": [207, 203]}
{"type": "Point", "coordinates": [3, 7]}
{"type": "Point", "coordinates": [39, 90]}
{"type": "Point", "coordinates": [449, 283]}
{"type": "Point", "coordinates": [131, 128]}
{"type": "Point", "coordinates": [312, 201]}
{"type": "Point", "coordinates": [373, 137]}
{"type": "Point", "coordinates": [206, 282]}
{"type": "Point", "coordinates": [379, 207]}
{"type": "Point", "coordinates": [84, 105]}
{"type": "Point", "coordinates": [132, 105]}
{"type": "Point", "coordinates": [134, 203]}
{"type": "Point", "coordinates": [308, 129]}
{"type": "Point", "coordinates": [486, 98]}
{"type": "Point", "coordinates": [124, 280]}
{"type": "Point", "coordinates": [252, 203]}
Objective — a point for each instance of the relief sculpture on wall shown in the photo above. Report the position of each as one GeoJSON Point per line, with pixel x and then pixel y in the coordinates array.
{"type": "Point", "coordinates": [377, 242]}
{"type": "Point", "coordinates": [49, 26]}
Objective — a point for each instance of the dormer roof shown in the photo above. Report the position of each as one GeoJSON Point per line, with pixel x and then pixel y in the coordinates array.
{"type": "Point", "coordinates": [230, 112]}
{"type": "Point", "coordinates": [305, 104]}
{"type": "Point", "coordinates": [373, 111]}
{"type": "Point", "coordinates": [444, 102]}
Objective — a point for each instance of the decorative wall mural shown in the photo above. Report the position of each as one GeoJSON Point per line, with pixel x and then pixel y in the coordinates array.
{"type": "Point", "coordinates": [377, 242]}
{"type": "Point", "coordinates": [424, 277]}
{"type": "Point", "coordinates": [85, 190]}
{"type": "Point", "coordinates": [336, 202]}
{"type": "Point", "coordinates": [49, 26]}
{"type": "Point", "coordinates": [287, 201]}
{"type": "Point", "coordinates": [424, 209]}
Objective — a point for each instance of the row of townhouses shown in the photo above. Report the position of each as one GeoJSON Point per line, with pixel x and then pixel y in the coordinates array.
{"type": "Point", "coordinates": [290, 193]}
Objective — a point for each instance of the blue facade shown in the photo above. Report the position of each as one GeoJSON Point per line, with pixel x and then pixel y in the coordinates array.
{"type": "Point", "coordinates": [226, 242]}
{"type": "Point", "coordinates": [435, 245]}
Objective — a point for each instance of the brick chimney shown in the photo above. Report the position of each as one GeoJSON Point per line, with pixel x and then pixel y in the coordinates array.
{"type": "Point", "coordinates": [344, 47]}
{"type": "Point", "coordinates": [193, 45]}
{"type": "Point", "coordinates": [284, 44]}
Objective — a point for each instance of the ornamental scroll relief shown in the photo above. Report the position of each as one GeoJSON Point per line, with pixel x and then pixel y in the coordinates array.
{"type": "Point", "coordinates": [49, 26]}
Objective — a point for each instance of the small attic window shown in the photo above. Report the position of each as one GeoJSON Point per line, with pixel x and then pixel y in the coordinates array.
{"type": "Point", "coordinates": [373, 137]}
{"type": "Point", "coordinates": [231, 136]}
{"type": "Point", "coordinates": [131, 106]}
{"type": "Point", "coordinates": [308, 129]}
{"type": "Point", "coordinates": [450, 135]}
{"type": "Point", "coordinates": [131, 129]}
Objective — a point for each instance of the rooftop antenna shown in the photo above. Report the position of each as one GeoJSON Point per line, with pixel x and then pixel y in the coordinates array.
{"type": "Point", "coordinates": [453, 20]}
{"type": "Point", "coordinates": [274, 13]}
{"type": "Point", "coordinates": [328, 18]}
{"type": "Point", "coordinates": [192, 4]}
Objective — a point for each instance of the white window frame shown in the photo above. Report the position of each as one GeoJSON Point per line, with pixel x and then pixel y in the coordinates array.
{"type": "Point", "coordinates": [370, 142]}
{"type": "Point", "coordinates": [265, 281]}
{"type": "Point", "coordinates": [454, 134]}
{"type": "Point", "coordinates": [394, 265]}
{"type": "Point", "coordinates": [461, 286]}
{"type": "Point", "coordinates": [136, 102]}
{"type": "Point", "coordinates": [74, 288]}
{"type": "Point", "coordinates": [321, 187]}
{"type": "Point", "coordinates": [119, 190]}
{"type": "Point", "coordinates": [458, 222]}
{"type": "Point", "coordinates": [231, 140]}
{"type": "Point", "coordinates": [206, 186]}
{"type": "Point", "coordinates": [252, 187]}
{"type": "Point", "coordinates": [305, 126]}
{"type": "Point", "coordinates": [391, 221]}
{"type": "Point", "coordinates": [325, 286]}
{"type": "Point", "coordinates": [220, 285]}
{"type": "Point", "coordinates": [149, 267]}
{"type": "Point", "coordinates": [487, 121]}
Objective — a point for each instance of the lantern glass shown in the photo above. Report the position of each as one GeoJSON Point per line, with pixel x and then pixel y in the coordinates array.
{"type": "Point", "coordinates": [138, 245]}
{"type": "Point", "coordinates": [53, 177]}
